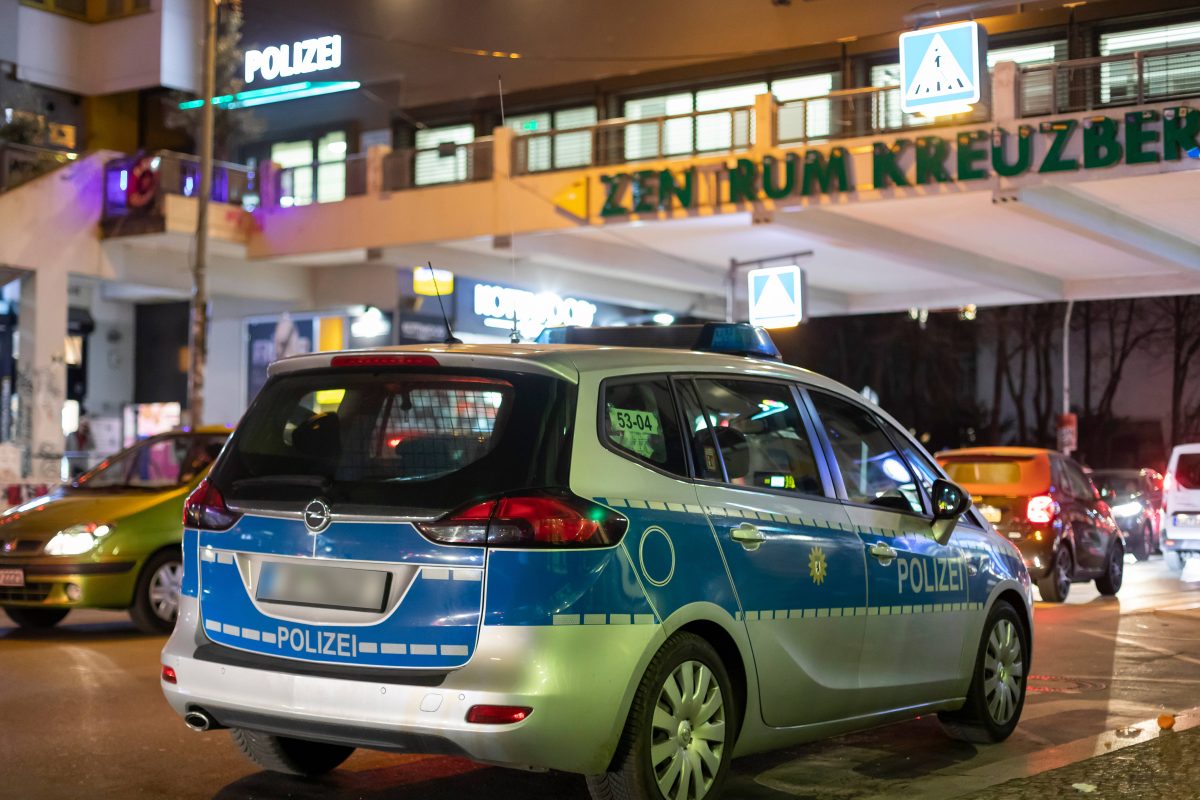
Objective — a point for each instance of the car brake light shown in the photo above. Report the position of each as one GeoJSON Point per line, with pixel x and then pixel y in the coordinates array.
{"type": "Point", "coordinates": [205, 510]}
{"type": "Point", "coordinates": [168, 675]}
{"type": "Point", "coordinates": [497, 715]}
{"type": "Point", "coordinates": [383, 361]}
{"type": "Point", "coordinates": [530, 520]}
{"type": "Point", "coordinates": [1168, 484]}
{"type": "Point", "coordinates": [1040, 509]}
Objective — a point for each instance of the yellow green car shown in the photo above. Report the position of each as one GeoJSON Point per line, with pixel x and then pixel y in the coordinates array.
{"type": "Point", "coordinates": [111, 539]}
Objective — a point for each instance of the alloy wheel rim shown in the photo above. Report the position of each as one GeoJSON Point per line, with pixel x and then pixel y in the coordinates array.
{"type": "Point", "coordinates": [687, 742]}
{"type": "Point", "coordinates": [1003, 672]}
{"type": "Point", "coordinates": [164, 590]}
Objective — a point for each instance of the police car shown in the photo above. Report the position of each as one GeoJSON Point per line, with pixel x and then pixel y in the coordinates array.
{"type": "Point", "coordinates": [626, 562]}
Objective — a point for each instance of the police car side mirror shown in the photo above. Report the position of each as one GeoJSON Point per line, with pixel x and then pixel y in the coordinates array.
{"type": "Point", "coordinates": [949, 503]}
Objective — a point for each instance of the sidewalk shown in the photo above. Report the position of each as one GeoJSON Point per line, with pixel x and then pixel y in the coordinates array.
{"type": "Point", "coordinates": [1167, 767]}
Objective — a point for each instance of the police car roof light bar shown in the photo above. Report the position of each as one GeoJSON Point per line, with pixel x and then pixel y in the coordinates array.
{"type": "Point", "coordinates": [727, 338]}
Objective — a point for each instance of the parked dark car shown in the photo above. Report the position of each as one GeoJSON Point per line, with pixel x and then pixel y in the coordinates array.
{"type": "Point", "coordinates": [1044, 503]}
{"type": "Point", "coordinates": [1135, 501]}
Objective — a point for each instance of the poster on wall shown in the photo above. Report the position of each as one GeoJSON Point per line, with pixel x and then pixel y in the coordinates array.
{"type": "Point", "coordinates": [271, 340]}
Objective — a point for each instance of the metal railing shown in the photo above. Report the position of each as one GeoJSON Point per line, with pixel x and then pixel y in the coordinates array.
{"type": "Point", "coordinates": [21, 163]}
{"type": "Point", "coordinates": [449, 162]}
{"type": "Point", "coordinates": [621, 141]}
{"type": "Point", "coordinates": [1084, 84]}
{"type": "Point", "coordinates": [134, 187]}
{"type": "Point", "coordinates": [849, 113]}
{"type": "Point", "coordinates": [321, 181]}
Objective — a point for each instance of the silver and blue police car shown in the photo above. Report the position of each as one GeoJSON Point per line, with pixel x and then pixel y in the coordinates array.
{"type": "Point", "coordinates": [630, 563]}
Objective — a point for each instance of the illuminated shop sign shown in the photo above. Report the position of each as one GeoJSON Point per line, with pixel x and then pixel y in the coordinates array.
{"type": "Point", "coordinates": [1056, 146]}
{"type": "Point", "coordinates": [498, 306]}
{"type": "Point", "coordinates": [290, 60]}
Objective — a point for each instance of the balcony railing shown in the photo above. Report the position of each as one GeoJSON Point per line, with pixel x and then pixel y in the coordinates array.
{"type": "Point", "coordinates": [620, 141]}
{"type": "Point", "coordinates": [134, 187]}
{"type": "Point", "coordinates": [850, 113]}
{"type": "Point", "coordinates": [449, 162]}
{"type": "Point", "coordinates": [1085, 84]}
{"type": "Point", "coordinates": [21, 163]}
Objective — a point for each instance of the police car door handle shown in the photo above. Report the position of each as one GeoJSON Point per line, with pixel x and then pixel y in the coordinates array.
{"type": "Point", "coordinates": [885, 553]}
{"type": "Point", "coordinates": [749, 536]}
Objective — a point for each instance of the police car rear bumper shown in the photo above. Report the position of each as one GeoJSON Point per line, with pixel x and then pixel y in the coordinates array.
{"type": "Point", "coordinates": [578, 680]}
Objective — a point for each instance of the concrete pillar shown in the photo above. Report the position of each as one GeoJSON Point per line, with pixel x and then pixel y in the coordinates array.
{"type": "Point", "coordinates": [502, 192]}
{"type": "Point", "coordinates": [766, 115]}
{"type": "Point", "coordinates": [376, 155]}
{"type": "Point", "coordinates": [41, 372]}
{"type": "Point", "coordinates": [1006, 102]}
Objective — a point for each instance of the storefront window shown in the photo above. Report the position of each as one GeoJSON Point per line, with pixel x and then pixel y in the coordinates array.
{"type": "Point", "coordinates": [1163, 75]}
{"type": "Point", "coordinates": [437, 159]}
{"type": "Point", "coordinates": [810, 121]}
{"type": "Point", "coordinates": [561, 150]}
{"type": "Point", "coordinates": [296, 179]}
{"type": "Point", "coordinates": [331, 169]}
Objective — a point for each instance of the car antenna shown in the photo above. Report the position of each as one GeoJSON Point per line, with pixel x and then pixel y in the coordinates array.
{"type": "Point", "coordinates": [450, 337]}
{"type": "Point", "coordinates": [514, 336]}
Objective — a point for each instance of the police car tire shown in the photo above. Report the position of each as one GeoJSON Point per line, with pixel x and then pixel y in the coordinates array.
{"type": "Point", "coordinates": [631, 775]}
{"type": "Point", "coordinates": [35, 617]}
{"type": "Point", "coordinates": [972, 723]}
{"type": "Point", "coordinates": [290, 756]}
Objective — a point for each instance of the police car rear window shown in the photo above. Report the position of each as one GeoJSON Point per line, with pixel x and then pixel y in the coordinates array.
{"type": "Point", "coordinates": [398, 438]}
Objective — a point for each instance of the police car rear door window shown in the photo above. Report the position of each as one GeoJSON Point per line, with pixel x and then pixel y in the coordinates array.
{"type": "Point", "coordinates": [639, 421]}
{"type": "Point", "coordinates": [399, 439]}
{"type": "Point", "coordinates": [760, 435]}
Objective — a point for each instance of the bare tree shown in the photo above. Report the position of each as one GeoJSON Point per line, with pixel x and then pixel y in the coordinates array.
{"type": "Point", "coordinates": [1180, 334]}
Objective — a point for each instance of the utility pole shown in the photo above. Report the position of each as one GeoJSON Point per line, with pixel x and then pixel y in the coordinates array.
{"type": "Point", "coordinates": [198, 341]}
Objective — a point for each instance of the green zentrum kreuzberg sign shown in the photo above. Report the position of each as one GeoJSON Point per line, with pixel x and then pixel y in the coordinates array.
{"type": "Point", "coordinates": [1141, 137]}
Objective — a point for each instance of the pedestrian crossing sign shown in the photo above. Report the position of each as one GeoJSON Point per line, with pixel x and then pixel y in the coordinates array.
{"type": "Point", "coordinates": [942, 68]}
{"type": "Point", "coordinates": [777, 296]}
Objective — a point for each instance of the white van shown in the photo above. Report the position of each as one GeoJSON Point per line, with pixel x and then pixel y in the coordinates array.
{"type": "Point", "coordinates": [1181, 506]}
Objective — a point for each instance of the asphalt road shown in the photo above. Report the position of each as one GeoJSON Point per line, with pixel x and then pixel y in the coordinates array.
{"type": "Point", "coordinates": [81, 715]}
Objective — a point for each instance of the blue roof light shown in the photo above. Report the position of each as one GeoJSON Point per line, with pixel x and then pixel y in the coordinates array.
{"type": "Point", "coordinates": [728, 338]}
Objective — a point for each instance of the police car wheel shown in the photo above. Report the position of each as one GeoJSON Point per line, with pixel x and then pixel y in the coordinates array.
{"type": "Point", "coordinates": [997, 692]}
{"type": "Point", "coordinates": [1114, 571]}
{"type": "Point", "coordinates": [679, 737]}
{"type": "Point", "coordinates": [35, 617]}
{"type": "Point", "coordinates": [289, 756]}
{"type": "Point", "coordinates": [156, 598]}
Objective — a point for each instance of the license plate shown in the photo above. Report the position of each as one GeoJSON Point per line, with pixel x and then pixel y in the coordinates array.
{"type": "Point", "coordinates": [991, 514]}
{"type": "Point", "coordinates": [1187, 520]}
{"type": "Point", "coordinates": [12, 577]}
{"type": "Point", "coordinates": [320, 586]}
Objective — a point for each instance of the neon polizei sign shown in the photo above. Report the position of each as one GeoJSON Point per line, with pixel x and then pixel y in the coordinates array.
{"type": "Point", "coordinates": [298, 58]}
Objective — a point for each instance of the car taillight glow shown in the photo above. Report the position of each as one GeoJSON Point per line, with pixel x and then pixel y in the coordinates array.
{"type": "Point", "coordinates": [497, 715]}
{"type": "Point", "coordinates": [530, 520]}
{"type": "Point", "coordinates": [205, 510]}
{"type": "Point", "coordinates": [383, 360]}
{"type": "Point", "coordinates": [168, 675]}
{"type": "Point", "coordinates": [1040, 509]}
{"type": "Point", "coordinates": [1168, 484]}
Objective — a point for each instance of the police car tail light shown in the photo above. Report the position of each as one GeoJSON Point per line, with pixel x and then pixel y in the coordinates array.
{"type": "Point", "coordinates": [1040, 509]}
{"type": "Point", "coordinates": [554, 520]}
{"type": "Point", "coordinates": [466, 526]}
{"type": "Point", "coordinates": [530, 520]}
{"type": "Point", "coordinates": [205, 510]}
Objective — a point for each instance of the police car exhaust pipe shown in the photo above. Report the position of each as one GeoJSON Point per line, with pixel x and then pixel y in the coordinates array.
{"type": "Point", "coordinates": [198, 721]}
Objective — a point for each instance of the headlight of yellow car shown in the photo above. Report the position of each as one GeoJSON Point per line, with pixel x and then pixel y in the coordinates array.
{"type": "Point", "coordinates": [78, 539]}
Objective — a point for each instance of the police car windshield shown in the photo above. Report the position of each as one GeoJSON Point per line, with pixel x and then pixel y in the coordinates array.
{"type": "Point", "coordinates": [399, 438]}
